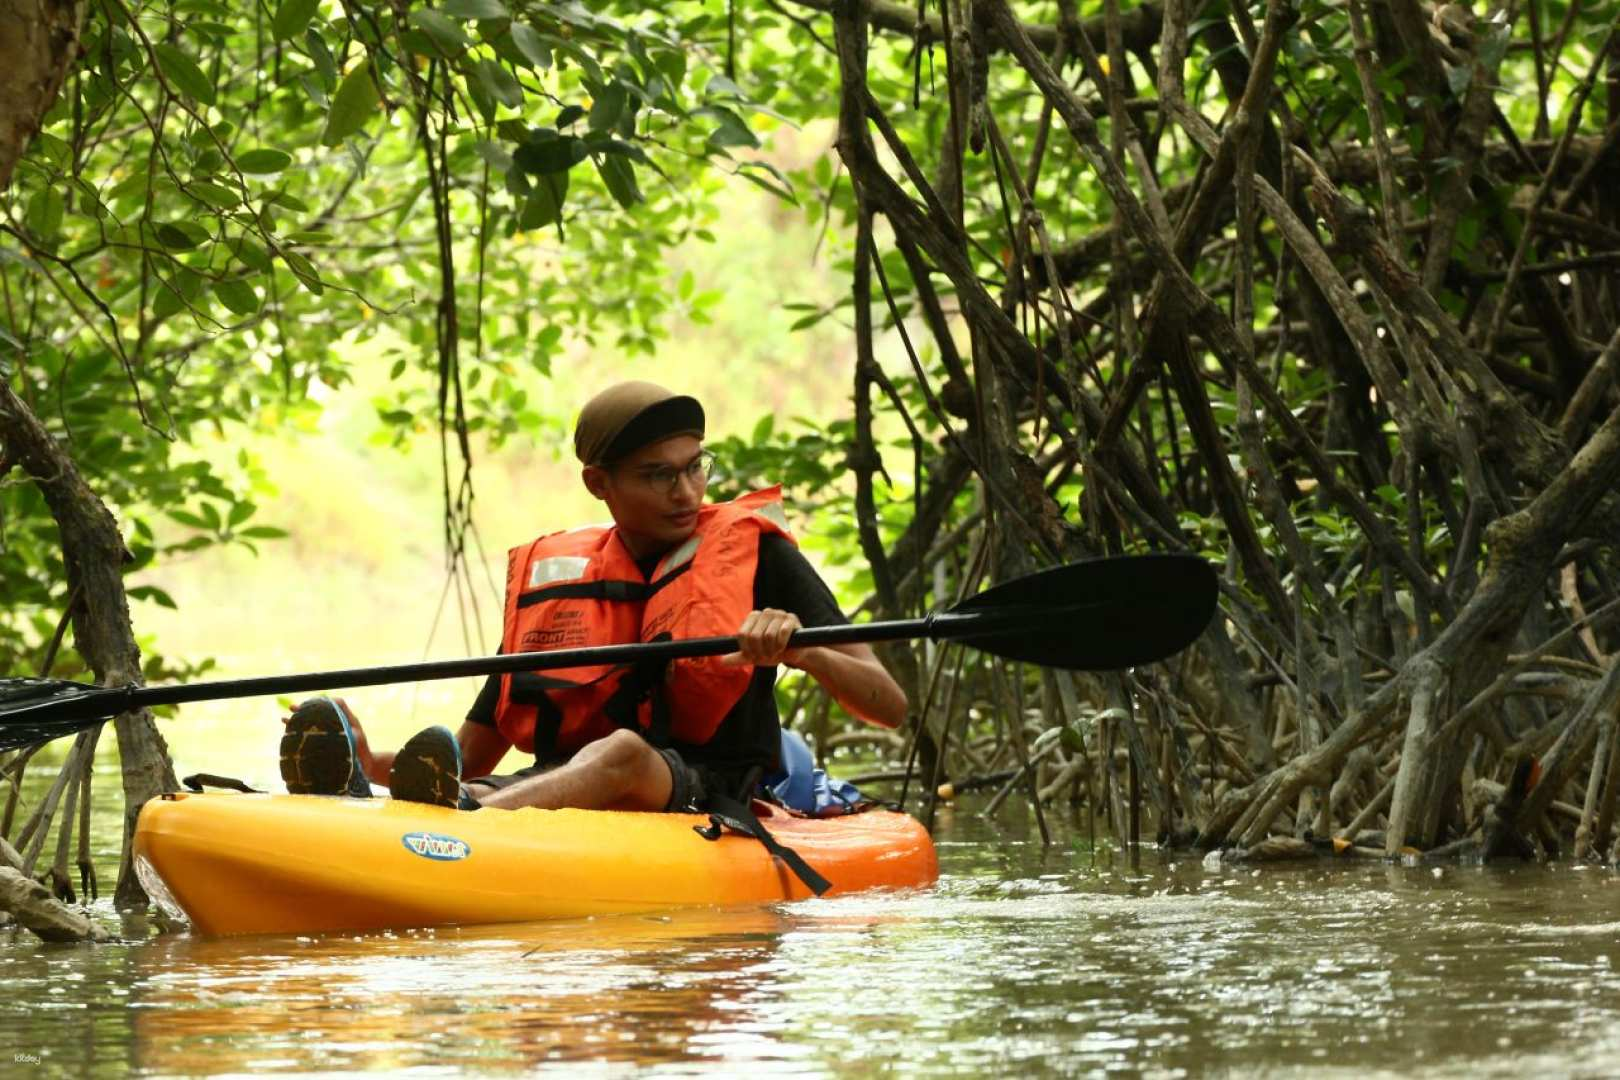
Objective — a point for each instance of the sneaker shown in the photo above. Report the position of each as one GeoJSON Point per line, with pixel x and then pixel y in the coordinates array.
{"type": "Point", "coordinates": [317, 752]}
{"type": "Point", "coordinates": [427, 769]}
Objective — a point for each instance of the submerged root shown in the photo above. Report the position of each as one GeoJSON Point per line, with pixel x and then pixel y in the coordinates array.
{"type": "Point", "coordinates": [37, 911]}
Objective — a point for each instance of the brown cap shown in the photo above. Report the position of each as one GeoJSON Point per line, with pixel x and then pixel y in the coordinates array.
{"type": "Point", "coordinates": [629, 415]}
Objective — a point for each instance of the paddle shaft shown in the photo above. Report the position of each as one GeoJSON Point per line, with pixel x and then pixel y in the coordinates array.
{"type": "Point", "coordinates": [110, 701]}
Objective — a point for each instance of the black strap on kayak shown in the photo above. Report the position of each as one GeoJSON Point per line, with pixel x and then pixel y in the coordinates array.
{"type": "Point", "coordinates": [198, 781]}
{"type": "Point", "coordinates": [726, 812]}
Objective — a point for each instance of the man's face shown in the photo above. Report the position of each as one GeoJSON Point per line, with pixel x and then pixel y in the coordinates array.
{"type": "Point", "coordinates": [653, 494]}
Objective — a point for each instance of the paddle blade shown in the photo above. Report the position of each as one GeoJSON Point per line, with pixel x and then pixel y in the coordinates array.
{"type": "Point", "coordinates": [38, 710]}
{"type": "Point", "coordinates": [1100, 614]}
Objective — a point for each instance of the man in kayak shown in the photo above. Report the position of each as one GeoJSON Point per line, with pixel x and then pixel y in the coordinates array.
{"type": "Point", "coordinates": [637, 738]}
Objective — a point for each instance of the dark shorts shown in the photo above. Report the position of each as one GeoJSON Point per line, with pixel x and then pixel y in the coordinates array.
{"type": "Point", "coordinates": [689, 787]}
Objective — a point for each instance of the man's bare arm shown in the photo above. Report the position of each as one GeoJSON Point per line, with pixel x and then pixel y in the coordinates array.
{"type": "Point", "coordinates": [852, 674]}
{"type": "Point", "coordinates": [857, 680]}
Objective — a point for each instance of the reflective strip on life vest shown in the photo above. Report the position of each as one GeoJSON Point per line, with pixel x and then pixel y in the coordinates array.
{"type": "Point", "coordinates": [557, 568]}
{"type": "Point", "coordinates": [773, 513]}
{"type": "Point", "coordinates": [679, 557]}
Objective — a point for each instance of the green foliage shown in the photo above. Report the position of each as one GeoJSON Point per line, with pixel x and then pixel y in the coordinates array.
{"type": "Point", "coordinates": [221, 206]}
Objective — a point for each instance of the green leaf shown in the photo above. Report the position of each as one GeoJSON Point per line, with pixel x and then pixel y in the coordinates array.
{"type": "Point", "coordinates": [574, 14]}
{"type": "Point", "coordinates": [217, 196]}
{"type": "Point", "coordinates": [182, 72]}
{"type": "Point", "coordinates": [292, 16]}
{"type": "Point", "coordinates": [501, 84]}
{"type": "Point", "coordinates": [600, 144]}
{"type": "Point", "coordinates": [208, 162]}
{"type": "Point", "coordinates": [49, 148]}
{"type": "Point", "coordinates": [251, 255]}
{"type": "Point", "coordinates": [355, 101]}
{"type": "Point", "coordinates": [263, 532]}
{"type": "Point", "coordinates": [186, 517]}
{"type": "Point", "coordinates": [781, 187]}
{"type": "Point", "coordinates": [585, 60]}
{"type": "Point", "coordinates": [45, 211]}
{"type": "Point", "coordinates": [478, 90]}
{"type": "Point", "coordinates": [321, 56]}
{"type": "Point", "coordinates": [302, 269]}
{"type": "Point", "coordinates": [719, 84]}
{"type": "Point", "coordinates": [549, 153]}
{"type": "Point", "coordinates": [240, 512]}
{"type": "Point", "coordinates": [449, 37]}
{"type": "Point", "coordinates": [608, 107]}
{"type": "Point", "coordinates": [237, 295]}
{"type": "Point", "coordinates": [263, 161]}
{"type": "Point", "coordinates": [620, 177]}
{"type": "Point", "coordinates": [545, 202]}
{"type": "Point", "coordinates": [320, 95]}
{"type": "Point", "coordinates": [174, 294]}
{"type": "Point", "coordinates": [152, 593]}
{"type": "Point", "coordinates": [133, 186]}
{"type": "Point", "coordinates": [672, 65]}
{"type": "Point", "coordinates": [176, 237]}
{"type": "Point", "coordinates": [291, 202]}
{"type": "Point", "coordinates": [731, 132]}
{"type": "Point", "coordinates": [568, 114]}
{"type": "Point", "coordinates": [530, 44]}
{"type": "Point", "coordinates": [475, 9]}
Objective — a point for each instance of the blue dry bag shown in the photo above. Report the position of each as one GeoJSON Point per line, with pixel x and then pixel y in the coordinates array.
{"type": "Point", "coordinates": [800, 786]}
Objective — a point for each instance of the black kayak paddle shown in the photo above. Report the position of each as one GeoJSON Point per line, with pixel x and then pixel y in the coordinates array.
{"type": "Point", "coordinates": [1095, 615]}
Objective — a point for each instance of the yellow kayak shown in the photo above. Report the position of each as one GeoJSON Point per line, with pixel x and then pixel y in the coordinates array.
{"type": "Point", "coordinates": [298, 864]}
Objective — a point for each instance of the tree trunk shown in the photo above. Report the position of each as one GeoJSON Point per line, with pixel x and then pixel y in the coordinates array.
{"type": "Point", "coordinates": [39, 40]}
{"type": "Point", "coordinates": [94, 554]}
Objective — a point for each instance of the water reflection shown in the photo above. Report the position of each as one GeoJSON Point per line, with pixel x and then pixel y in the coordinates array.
{"type": "Point", "coordinates": [633, 990]}
{"type": "Point", "coordinates": [1021, 960]}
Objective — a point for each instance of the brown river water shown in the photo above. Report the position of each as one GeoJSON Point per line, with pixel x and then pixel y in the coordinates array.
{"type": "Point", "coordinates": [1022, 960]}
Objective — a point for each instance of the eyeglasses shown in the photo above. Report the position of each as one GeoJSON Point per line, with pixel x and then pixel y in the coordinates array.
{"type": "Point", "coordinates": [664, 479]}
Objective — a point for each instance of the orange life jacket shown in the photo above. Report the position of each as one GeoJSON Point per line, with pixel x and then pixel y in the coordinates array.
{"type": "Point", "coordinates": [582, 588]}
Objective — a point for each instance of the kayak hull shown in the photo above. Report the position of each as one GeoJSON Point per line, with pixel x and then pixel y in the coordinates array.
{"type": "Point", "coordinates": [300, 864]}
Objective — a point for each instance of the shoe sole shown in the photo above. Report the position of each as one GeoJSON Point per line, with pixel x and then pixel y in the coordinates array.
{"type": "Point", "coordinates": [427, 769]}
{"type": "Point", "coordinates": [316, 756]}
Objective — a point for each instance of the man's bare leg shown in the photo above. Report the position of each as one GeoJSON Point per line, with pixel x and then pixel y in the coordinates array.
{"type": "Point", "coordinates": [621, 772]}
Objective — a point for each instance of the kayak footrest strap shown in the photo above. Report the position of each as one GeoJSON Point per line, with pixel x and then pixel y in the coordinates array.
{"type": "Point", "coordinates": [739, 817]}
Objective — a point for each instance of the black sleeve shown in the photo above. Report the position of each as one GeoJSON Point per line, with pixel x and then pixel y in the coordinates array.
{"type": "Point", "coordinates": [785, 580]}
{"type": "Point", "coordinates": [483, 709]}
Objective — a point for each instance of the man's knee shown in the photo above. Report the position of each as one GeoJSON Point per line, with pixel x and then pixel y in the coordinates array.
{"type": "Point", "coordinates": [622, 748]}
{"type": "Point", "coordinates": [627, 766]}
{"type": "Point", "coordinates": [624, 753]}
